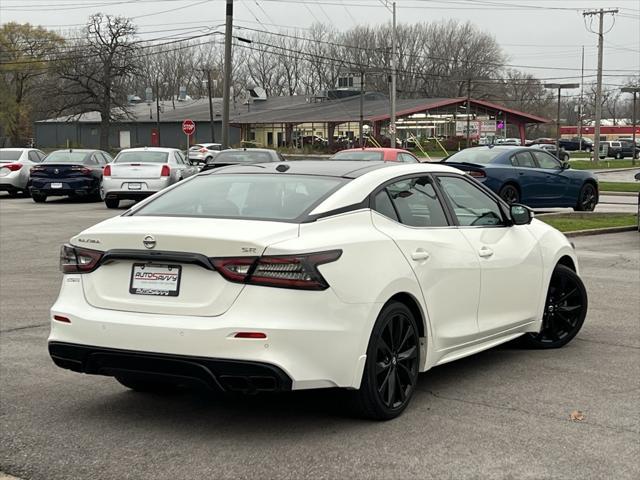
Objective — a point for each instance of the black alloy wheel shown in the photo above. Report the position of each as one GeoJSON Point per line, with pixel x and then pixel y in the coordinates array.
{"type": "Point", "coordinates": [112, 202]}
{"type": "Point", "coordinates": [587, 199]}
{"type": "Point", "coordinates": [38, 197]}
{"type": "Point", "coordinates": [391, 369]}
{"type": "Point", "coordinates": [509, 193]}
{"type": "Point", "coordinates": [564, 311]}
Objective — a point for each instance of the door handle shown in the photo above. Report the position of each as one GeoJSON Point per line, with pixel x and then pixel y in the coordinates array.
{"type": "Point", "coordinates": [485, 252]}
{"type": "Point", "coordinates": [420, 254]}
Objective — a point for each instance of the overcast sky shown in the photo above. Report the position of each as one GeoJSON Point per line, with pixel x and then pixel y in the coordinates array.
{"type": "Point", "coordinates": [534, 33]}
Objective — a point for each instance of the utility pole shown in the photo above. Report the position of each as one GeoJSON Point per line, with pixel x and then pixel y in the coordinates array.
{"type": "Point", "coordinates": [158, 111]}
{"type": "Point", "coordinates": [468, 111]}
{"type": "Point", "coordinates": [601, 13]}
{"type": "Point", "coordinates": [394, 73]}
{"type": "Point", "coordinates": [580, 105]}
{"type": "Point", "coordinates": [210, 105]}
{"type": "Point", "coordinates": [559, 87]}
{"type": "Point", "coordinates": [226, 95]}
{"type": "Point", "coordinates": [635, 91]}
{"type": "Point", "coordinates": [361, 109]}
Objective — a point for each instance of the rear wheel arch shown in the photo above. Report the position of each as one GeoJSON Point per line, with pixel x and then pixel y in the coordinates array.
{"type": "Point", "coordinates": [568, 262]}
{"type": "Point", "coordinates": [412, 304]}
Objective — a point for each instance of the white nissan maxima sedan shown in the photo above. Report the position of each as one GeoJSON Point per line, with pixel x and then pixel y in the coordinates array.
{"type": "Point", "coordinates": [299, 275]}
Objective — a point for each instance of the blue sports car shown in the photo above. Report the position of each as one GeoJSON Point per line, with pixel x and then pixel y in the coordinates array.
{"type": "Point", "coordinates": [528, 175]}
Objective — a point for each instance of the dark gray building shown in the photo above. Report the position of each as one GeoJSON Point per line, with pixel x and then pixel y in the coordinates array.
{"type": "Point", "coordinates": [139, 129]}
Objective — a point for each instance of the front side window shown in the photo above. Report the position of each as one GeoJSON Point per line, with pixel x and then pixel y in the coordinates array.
{"type": "Point", "coordinates": [471, 206]}
{"type": "Point", "coordinates": [252, 196]}
{"type": "Point", "coordinates": [414, 202]}
{"type": "Point", "coordinates": [547, 161]}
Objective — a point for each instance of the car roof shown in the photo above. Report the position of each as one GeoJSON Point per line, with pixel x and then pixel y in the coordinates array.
{"type": "Point", "coordinates": [149, 149]}
{"type": "Point", "coordinates": [326, 168]}
{"type": "Point", "coordinates": [81, 150]}
{"type": "Point", "coordinates": [250, 150]}
{"type": "Point", "coordinates": [374, 149]}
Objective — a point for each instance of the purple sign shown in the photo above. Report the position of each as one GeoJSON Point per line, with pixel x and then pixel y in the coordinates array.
{"type": "Point", "coordinates": [500, 125]}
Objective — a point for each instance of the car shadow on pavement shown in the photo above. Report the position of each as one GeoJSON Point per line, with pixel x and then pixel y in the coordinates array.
{"type": "Point", "coordinates": [210, 411]}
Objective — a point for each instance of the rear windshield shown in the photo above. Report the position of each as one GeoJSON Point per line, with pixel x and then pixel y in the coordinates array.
{"type": "Point", "coordinates": [242, 156]}
{"type": "Point", "coordinates": [9, 155]}
{"type": "Point", "coordinates": [142, 156]}
{"type": "Point", "coordinates": [361, 155]}
{"type": "Point", "coordinates": [251, 196]}
{"type": "Point", "coordinates": [65, 156]}
{"type": "Point", "coordinates": [476, 155]}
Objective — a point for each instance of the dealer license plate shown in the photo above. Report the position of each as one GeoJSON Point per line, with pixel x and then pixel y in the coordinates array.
{"type": "Point", "coordinates": [135, 186]}
{"type": "Point", "coordinates": [153, 279]}
{"type": "Point", "coordinates": [56, 185]}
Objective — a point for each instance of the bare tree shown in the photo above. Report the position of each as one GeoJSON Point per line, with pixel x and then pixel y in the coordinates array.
{"type": "Point", "coordinates": [93, 76]}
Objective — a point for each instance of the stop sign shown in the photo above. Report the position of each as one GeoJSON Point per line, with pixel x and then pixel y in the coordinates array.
{"type": "Point", "coordinates": [188, 127]}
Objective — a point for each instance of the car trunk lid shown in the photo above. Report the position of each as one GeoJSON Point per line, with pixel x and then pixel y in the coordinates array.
{"type": "Point", "coordinates": [138, 170]}
{"type": "Point", "coordinates": [201, 291]}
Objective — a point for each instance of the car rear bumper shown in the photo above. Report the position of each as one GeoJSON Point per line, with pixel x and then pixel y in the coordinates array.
{"type": "Point", "coordinates": [212, 373]}
{"type": "Point", "coordinates": [13, 181]}
{"type": "Point", "coordinates": [313, 337]}
{"type": "Point", "coordinates": [68, 186]}
{"type": "Point", "coordinates": [132, 188]}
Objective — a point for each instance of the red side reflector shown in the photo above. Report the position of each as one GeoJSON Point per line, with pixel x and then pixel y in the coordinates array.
{"type": "Point", "coordinates": [62, 319]}
{"type": "Point", "coordinates": [250, 335]}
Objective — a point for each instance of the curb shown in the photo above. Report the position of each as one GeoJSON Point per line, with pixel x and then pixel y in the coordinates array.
{"type": "Point", "coordinates": [621, 194]}
{"type": "Point", "coordinates": [599, 231]}
{"type": "Point", "coordinates": [612, 170]}
{"type": "Point", "coordinates": [4, 476]}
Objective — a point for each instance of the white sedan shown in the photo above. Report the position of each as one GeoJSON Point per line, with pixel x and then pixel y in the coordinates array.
{"type": "Point", "coordinates": [137, 173]}
{"type": "Point", "coordinates": [15, 165]}
{"type": "Point", "coordinates": [298, 275]}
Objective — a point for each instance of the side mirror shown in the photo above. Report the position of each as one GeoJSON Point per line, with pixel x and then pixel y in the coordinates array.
{"type": "Point", "coordinates": [521, 214]}
{"type": "Point", "coordinates": [566, 165]}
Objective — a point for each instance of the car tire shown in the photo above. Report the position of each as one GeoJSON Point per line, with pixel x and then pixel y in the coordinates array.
{"type": "Point", "coordinates": [145, 385]}
{"type": "Point", "coordinates": [509, 193]}
{"type": "Point", "coordinates": [112, 202]}
{"type": "Point", "coordinates": [564, 311]}
{"type": "Point", "coordinates": [391, 369]}
{"type": "Point", "coordinates": [587, 198]}
{"type": "Point", "coordinates": [39, 197]}
{"type": "Point", "coordinates": [565, 157]}
{"type": "Point", "coordinates": [619, 156]}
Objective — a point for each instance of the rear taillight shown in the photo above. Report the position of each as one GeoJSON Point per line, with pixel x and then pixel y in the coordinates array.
{"type": "Point", "coordinates": [83, 170]}
{"type": "Point", "coordinates": [38, 168]}
{"type": "Point", "coordinates": [166, 171]}
{"type": "Point", "coordinates": [107, 171]}
{"type": "Point", "coordinates": [78, 260]}
{"type": "Point", "coordinates": [14, 167]}
{"type": "Point", "coordinates": [477, 174]}
{"type": "Point", "coordinates": [286, 271]}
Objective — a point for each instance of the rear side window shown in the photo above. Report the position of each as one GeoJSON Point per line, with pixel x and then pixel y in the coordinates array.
{"type": "Point", "coordinates": [522, 159]}
{"type": "Point", "coordinates": [383, 205]}
{"type": "Point", "coordinates": [262, 197]}
{"type": "Point", "coordinates": [142, 157]}
{"type": "Point", "coordinates": [406, 158]}
{"type": "Point", "coordinates": [415, 202]}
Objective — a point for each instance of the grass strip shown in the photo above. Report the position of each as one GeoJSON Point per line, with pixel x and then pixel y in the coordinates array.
{"type": "Point", "coordinates": [575, 222]}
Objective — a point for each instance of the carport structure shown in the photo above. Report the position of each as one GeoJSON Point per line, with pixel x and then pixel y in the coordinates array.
{"type": "Point", "coordinates": [272, 122]}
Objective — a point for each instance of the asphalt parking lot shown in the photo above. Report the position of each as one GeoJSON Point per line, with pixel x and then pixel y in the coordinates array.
{"type": "Point", "coordinates": [501, 414]}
